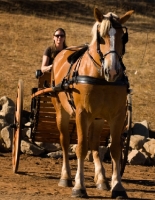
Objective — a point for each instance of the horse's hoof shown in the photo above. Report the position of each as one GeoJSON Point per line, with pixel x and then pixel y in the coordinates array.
{"type": "Point", "coordinates": [103, 186]}
{"type": "Point", "coordinates": [65, 183]}
{"type": "Point", "coordinates": [119, 195]}
{"type": "Point", "coordinates": [79, 193]}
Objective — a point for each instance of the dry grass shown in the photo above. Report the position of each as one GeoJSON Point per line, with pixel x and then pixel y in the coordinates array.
{"type": "Point", "coordinates": [23, 39]}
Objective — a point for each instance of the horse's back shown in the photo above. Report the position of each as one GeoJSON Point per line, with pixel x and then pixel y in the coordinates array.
{"type": "Point", "coordinates": [62, 62]}
{"type": "Point", "coordinates": [61, 65]}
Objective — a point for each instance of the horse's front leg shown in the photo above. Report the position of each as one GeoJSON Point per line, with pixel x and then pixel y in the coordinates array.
{"type": "Point", "coordinates": [79, 189]}
{"type": "Point", "coordinates": [63, 126]}
{"type": "Point", "coordinates": [94, 142]}
{"type": "Point", "coordinates": [117, 189]}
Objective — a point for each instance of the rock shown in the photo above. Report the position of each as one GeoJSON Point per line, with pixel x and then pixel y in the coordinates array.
{"type": "Point", "coordinates": [2, 146]}
{"type": "Point", "coordinates": [151, 133]}
{"type": "Point", "coordinates": [26, 133]}
{"type": "Point", "coordinates": [7, 136]}
{"type": "Point", "coordinates": [135, 157]}
{"type": "Point", "coordinates": [71, 155]}
{"type": "Point", "coordinates": [7, 110]}
{"type": "Point", "coordinates": [73, 147]}
{"type": "Point", "coordinates": [148, 161]}
{"type": "Point", "coordinates": [141, 128]}
{"type": "Point", "coordinates": [3, 123]}
{"type": "Point", "coordinates": [31, 149]}
{"type": "Point", "coordinates": [149, 147]}
{"type": "Point", "coordinates": [49, 147]}
{"type": "Point", "coordinates": [137, 141]}
{"type": "Point", "coordinates": [59, 154]}
{"type": "Point", "coordinates": [89, 157]}
{"type": "Point", "coordinates": [102, 152]}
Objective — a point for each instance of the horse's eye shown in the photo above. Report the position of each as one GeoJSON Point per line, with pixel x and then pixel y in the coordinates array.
{"type": "Point", "coordinates": [102, 41]}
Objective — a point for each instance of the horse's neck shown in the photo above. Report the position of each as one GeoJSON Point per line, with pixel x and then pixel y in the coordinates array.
{"type": "Point", "coordinates": [93, 52]}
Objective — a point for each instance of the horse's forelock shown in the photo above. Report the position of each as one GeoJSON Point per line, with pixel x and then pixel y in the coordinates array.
{"type": "Point", "coordinates": [109, 14]}
{"type": "Point", "coordinates": [104, 26]}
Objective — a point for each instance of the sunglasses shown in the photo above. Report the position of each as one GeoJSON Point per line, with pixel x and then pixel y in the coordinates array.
{"type": "Point", "coordinates": [59, 36]}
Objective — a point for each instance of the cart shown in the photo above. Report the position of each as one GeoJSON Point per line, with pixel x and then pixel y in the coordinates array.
{"type": "Point", "coordinates": [43, 121]}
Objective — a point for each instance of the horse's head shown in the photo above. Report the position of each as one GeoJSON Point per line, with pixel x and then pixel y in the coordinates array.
{"type": "Point", "coordinates": [111, 38]}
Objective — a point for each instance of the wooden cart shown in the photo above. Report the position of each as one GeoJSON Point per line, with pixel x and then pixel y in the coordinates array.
{"type": "Point", "coordinates": [43, 121]}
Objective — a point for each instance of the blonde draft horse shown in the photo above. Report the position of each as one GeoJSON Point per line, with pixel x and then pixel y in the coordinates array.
{"type": "Point", "coordinates": [93, 87]}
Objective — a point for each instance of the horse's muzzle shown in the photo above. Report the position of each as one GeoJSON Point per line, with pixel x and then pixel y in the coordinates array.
{"type": "Point", "coordinates": [111, 75]}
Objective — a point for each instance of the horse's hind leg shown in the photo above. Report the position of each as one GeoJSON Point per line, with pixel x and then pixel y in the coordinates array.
{"type": "Point", "coordinates": [63, 126]}
{"type": "Point", "coordinates": [94, 142]}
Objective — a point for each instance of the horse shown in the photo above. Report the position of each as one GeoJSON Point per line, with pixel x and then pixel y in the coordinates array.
{"type": "Point", "coordinates": [90, 82]}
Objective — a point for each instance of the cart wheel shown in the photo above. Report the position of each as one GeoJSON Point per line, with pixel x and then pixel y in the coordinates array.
{"type": "Point", "coordinates": [17, 127]}
{"type": "Point", "coordinates": [124, 155]}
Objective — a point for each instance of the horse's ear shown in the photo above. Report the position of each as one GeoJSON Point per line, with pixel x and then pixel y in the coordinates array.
{"type": "Point", "coordinates": [98, 15]}
{"type": "Point", "coordinates": [125, 17]}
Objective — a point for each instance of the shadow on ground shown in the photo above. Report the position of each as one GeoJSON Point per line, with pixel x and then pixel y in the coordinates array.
{"type": "Point", "coordinates": [70, 10]}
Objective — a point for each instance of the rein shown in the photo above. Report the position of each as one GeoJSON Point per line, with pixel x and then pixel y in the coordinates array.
{"type": "Point", "coordinates": [102, 56]}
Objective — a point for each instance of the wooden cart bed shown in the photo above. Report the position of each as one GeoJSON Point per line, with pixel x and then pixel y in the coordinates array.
{"type": "Point", "coordinates": [45, 129]}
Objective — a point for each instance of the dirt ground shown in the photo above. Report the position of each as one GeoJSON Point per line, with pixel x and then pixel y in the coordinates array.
{"type": "Point", "coordinates": [38, 178]}
{"type": "Point", "coordinates": [26, 30]}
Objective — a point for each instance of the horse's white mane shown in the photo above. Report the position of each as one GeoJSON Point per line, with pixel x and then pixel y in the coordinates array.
{"type": "Point", "coordinates": [104, 26]}
{"type": "Point", "coordinates": [110, 14]}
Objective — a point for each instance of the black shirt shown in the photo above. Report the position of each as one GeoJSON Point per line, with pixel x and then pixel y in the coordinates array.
{"type": "Point", "coordinates": [48, 52]}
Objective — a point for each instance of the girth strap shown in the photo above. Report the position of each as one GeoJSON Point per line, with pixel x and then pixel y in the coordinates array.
{"type": "Point", "coordinates": [64, 85]}
{"type": "Point", "coordinates": [97, 81]}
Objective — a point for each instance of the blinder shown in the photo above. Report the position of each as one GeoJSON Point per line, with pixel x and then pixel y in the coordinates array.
{"type": "Point", "coordinates": [124, 39]}
{"type": "Point", "coordinates": [125, 36]}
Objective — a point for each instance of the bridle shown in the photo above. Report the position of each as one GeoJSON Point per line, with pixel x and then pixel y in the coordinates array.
{"type": "Point", "coordinates": [124, 41]}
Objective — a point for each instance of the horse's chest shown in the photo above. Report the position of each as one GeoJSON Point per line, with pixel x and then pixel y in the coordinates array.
{"type": "Point", "coordinates": [102, 100]}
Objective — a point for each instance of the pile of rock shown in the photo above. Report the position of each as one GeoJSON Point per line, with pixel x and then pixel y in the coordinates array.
{"type": "Point", "coordinates": [142, 147]}
{"type": "Point", "coordinates": [7, 109]}
{"type": "Point", "coordinates": [141, 150]}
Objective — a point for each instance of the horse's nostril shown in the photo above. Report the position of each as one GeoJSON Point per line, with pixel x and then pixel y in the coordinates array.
{"type": "Point", "coordinates": [106, 71]}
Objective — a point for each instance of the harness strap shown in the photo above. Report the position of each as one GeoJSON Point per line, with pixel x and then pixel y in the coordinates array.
{"type": "Point", "coordinates": [97, 81]}
{"type": "Point", "coordinates": [77, 54]}
{"type": "Point", "coordinates": [90, 80]}
{"type": "Point", "coordinates": [95, 63]}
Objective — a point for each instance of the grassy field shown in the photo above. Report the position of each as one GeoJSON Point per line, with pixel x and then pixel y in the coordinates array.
{"type": "Point", "coordinates": [26, 30]}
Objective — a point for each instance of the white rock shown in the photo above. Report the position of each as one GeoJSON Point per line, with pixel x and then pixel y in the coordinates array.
{"type": "Point", "coordinates": [137, 141]}
{"type": "Point", "coordinates": [7, 110]}
{"type": "Point", "coordinates": [49, 147]}
{"type": "Point", "coordinates": [31, 149]}
{"type": "Point", "coordinates": [150, 147]}
{"type": "Point", "coordinates": [7, 135]}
